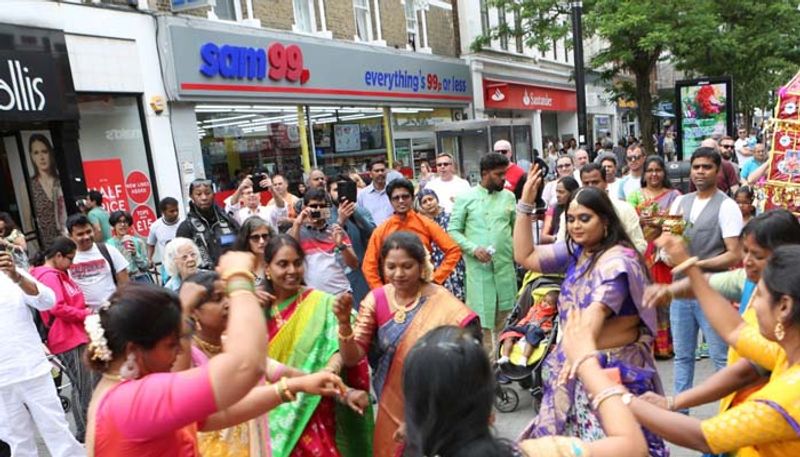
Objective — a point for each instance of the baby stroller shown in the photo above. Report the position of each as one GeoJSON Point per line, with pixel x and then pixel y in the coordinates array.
{"type": "Point", "coordinates": [529, 376]}
{"type": "Point", "coordinates": [62, 382]}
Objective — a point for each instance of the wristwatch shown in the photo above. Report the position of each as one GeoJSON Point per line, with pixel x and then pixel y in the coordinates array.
{"type": "Point", "coordinates": [627, 399]}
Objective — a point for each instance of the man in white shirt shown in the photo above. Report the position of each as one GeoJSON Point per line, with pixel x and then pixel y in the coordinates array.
{"type": "Point", "coordinates": [28, 398]}
{"type": "Point", "coordinates": [609, 163]}
{"type": "Point", "coordinates": [373, 198]}
{"type": "Point", "coordinates": [97, 268]}
{"type": "Point", "coordinates": [252, 203]}
{"type": "Point", "coordinates": [447, 185]}
{"type": "Point", "coordinates": [742, 146]}
{"type": "Point", "coordinates": [593, 175]}
{"type": "Point", "coordinates": [163, 231]}
{"type": "Point", "coordinates": [632, 181]}
{"type": "Point", "coordinates": [581, 158]}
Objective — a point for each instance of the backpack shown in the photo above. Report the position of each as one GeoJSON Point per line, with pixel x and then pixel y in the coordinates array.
{"type": "Point", "coordinates": [41, 327]}
{"type": "Point", "coordinates": [107, 255]}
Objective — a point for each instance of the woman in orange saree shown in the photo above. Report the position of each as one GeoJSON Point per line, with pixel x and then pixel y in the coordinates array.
{"type": "Point", "coordinates": [390, 320]}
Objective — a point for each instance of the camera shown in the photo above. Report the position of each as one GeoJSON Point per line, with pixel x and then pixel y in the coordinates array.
{"type": "Point", "coordinates": [315, 214]}
{"type": "Point", "coordinates": [257, 178]}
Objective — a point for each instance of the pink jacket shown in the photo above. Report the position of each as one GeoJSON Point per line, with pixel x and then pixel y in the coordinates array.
{"type": "Point", "coordinates": [67, 331]}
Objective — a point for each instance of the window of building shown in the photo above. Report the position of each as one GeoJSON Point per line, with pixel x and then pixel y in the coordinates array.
{"type": "Point", "coordinates": [363, 20]}
{"type": "Point", "coordinates": [501, 19]}
{"type": "Point", "coordinates": [412, 25]}
{"type": "Point", "coordinates": [518, 37]}
{"type": "Point", "coordinates": [226, 10]}
{"type": "Point", "coordinates": [484, 17]}
{"type": "Point", "coordinates": [304, 16]}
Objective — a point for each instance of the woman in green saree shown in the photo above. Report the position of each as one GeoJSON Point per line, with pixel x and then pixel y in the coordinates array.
{"type": "Point", "coordinates": [302, 331]}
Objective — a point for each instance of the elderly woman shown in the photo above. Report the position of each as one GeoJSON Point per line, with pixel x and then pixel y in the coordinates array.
{"type": "Point", "coordinates": [181, 260]}
{"type": "Point", "coordinates": [766, 423]}
{"type": "Point", "coordinates": [390, 320]}
{"type": "Point", "coordinates": [428, 204]}
{"type": "Point", "coordinates": [605, 276]}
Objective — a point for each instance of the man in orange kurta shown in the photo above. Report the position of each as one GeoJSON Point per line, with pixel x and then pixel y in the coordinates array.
{"type": "Point", "coordinates": [401, 194]}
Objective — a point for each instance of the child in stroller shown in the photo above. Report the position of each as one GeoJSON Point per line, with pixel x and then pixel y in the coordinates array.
{"type": "Point", "coordinates": [530, 330]}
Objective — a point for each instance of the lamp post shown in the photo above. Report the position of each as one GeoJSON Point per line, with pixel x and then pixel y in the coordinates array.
{"type": "Point", "coordinates": [576, 9]}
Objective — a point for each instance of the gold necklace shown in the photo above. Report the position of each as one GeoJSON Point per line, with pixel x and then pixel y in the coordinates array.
{"type": "Point", "coordinates": [112, 377]}
{"type": "Point", "coordinates": [205, 346]}
{"type": "Point", "coordinates": [401, 312]}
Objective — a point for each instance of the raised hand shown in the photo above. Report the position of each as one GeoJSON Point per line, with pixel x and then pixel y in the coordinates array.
{"type": "Point", "coordinates": [342, 307]}
{"type": "Point", "coordinates": [531, 186]}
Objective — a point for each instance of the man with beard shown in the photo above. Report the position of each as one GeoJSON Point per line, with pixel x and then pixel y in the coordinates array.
{"type": "Point", "coordinates": [714, 224]}
{"type": "Point", "coordinates": [482, 223]}
{"type": "Point", "coordinates": [401, 194]}
{"type": "Point", "coordinates": [211, 229]}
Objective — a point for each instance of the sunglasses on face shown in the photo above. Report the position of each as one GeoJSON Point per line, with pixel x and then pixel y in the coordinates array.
{"type": "Point", "coordinates": [564, 165]}
{"type": "Point", "coordinates": [443, 164]}
{"type": "Point", "coordinates": [401, 197]}
{"type": "Point", "coordinates": [633, 158]}
{"type": "Point", "coordinates": [318, 206]}
{"type": "Point", "coordinates": [726, 146]}
{"type": "Point", "coordinates": [259, 237]}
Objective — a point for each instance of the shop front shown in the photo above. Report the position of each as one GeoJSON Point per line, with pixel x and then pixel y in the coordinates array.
{"type": "Point", "coordinates": [247, 100]}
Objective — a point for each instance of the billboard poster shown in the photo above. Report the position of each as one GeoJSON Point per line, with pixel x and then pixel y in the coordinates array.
{"type": "Point", "coordinates": [705, 111]}
{"type": "Point", "coordinates": [49, 207]}
{"type": "Point", "coordinates": [107, 177]}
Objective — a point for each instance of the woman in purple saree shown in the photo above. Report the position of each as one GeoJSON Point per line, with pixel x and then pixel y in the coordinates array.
{"type": "Point", "coordinates": [604, 276]}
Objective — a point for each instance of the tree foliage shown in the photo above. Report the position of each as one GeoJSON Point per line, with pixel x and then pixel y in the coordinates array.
{"type": "Point", "coordinates": [742, 38]}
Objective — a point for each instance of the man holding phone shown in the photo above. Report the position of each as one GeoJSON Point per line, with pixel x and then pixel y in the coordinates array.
{"type": "Point", "coordinates": [246, 201]}
{"type": "Point", "coordinates": [357, 223]}
{"type": "Point", "coordinates": [329, 251]}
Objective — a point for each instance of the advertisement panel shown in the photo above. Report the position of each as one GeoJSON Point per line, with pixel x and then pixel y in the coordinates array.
{"type": "Point", "coordinates": [705, 110]}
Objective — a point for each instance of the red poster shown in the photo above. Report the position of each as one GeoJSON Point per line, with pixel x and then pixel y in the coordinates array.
{"type": "Point", "coordinates": [137, 185]}
{"type": "Point", "coordinates": [143, 218]}
{"type": "Point", "coordinates": [107, 177]}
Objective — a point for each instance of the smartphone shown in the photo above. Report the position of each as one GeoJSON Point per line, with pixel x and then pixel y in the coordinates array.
{"type": "Point", "coordinates": [347, 190]}
{"type": "Point", "coordinates": [257, 178]}
{"type": "Point", "coordinates": [315, 214]}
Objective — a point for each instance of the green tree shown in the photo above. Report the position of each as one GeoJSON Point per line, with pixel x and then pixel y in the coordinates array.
{"type": "Point", "coordinates": [757, 44]}
{"type": "Point", "coordinates": [635, 33]}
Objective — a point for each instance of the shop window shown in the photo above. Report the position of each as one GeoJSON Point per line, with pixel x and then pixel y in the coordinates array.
{"type": "Point", "coordinates": [115, 157]}
{"type": "Point", "coordinates": [363, 20]}
{"type": "Point", "coordinates": [303, 16]}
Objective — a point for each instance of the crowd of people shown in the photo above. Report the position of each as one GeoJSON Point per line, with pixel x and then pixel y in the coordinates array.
{"type": "Point", "coordinates": [379, 322]}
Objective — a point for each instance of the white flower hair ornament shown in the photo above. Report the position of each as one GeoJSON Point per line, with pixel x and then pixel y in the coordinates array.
{"type": "Point", "coordinates": [98, 345]}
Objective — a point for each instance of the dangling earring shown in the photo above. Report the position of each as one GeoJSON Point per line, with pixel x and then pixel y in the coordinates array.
{"type": "Point", "coordinates": [197, 325]}
{"type": "Point", "coordinates": [780, 332]}
{"type": "Point", "coordinates": [129, 369]}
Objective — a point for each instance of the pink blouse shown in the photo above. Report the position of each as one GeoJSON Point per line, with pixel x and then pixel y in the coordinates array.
{"type": "Point", "coordinates": [157, 415]}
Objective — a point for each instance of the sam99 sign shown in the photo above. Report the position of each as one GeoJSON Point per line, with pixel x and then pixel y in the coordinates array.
{"type": "Point", "coordinates": [237, 62]}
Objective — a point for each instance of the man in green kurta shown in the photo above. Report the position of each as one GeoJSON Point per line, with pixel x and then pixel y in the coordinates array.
{"type": "Point", "coordinates": [481, 223]}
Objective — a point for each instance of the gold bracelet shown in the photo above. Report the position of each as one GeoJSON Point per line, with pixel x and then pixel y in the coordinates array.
{"type": "Point", "coordinates": [605, 395]}
{"type": "Point", "coordinates": [237, 293]}
{"type": "Point", "coordinates": [239, 284]}
{"type": "Point", "coordinates": [279, 393]}
{"type": "Point", "coordinates": [348, 337]}
{"type": "Point", "coordinates": [686, 264]}
{"type": "Point", "coordinates": [574, 370]}
{"type": "Point", "coordinates": [226, 275]}
{"type": "Point", "coordinates": [285, 387]}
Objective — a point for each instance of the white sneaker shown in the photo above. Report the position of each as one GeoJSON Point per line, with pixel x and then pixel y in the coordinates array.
{"type": "Point", "coordinates": [503, 360]}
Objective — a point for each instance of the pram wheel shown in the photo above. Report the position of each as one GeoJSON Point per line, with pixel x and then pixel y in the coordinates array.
{"type": "Point", "coordinates": [65, 403]}
{"type": "Point", "coordinates": [506, 399]}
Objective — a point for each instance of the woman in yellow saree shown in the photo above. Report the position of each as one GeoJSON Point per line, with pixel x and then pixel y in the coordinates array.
{"type": "Point", "coordinates": [767, 423]}
{"type": "Point", "coordinates": [390, 320]}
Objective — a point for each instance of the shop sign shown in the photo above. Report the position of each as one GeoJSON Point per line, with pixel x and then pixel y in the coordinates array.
{"type": "Point", "coordinates": [29, 87]}
{"type": "Point", "coordinates": [207, 63]}
{"type": "Point", "coordinates": [143, 218]}
{"type": "Point", "coordinates": [137, 185]}
{"type": "Point", "coordinates": [107, 177]}
{"type": "Point", "coordinates": [502, 95]}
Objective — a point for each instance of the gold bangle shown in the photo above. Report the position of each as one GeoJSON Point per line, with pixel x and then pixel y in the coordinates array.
{"type": "Point", "coordinates": [226, 275]}
{"type": "Point", "coordinates": [574, 370]}
{"type": "Point", "coordinates": [347, 337]}
{"type": "Point", "coordinates": [605, 394]}
{"type": "Point", "coordinates": [279, 393]}
{"type": "Point", "coordinates": [685, 265]}
{"type": "Point", "coordinates": [285, 387]}
{"type": "Point", "coordinates": [237, 293]}
{"type": "Point", "coordinates": [240, 285]}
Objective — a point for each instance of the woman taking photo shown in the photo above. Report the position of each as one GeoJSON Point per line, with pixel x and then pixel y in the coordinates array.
{"type": "Point", "coordinates": [13, 239]}
{"type": "Point", "coordinates": [653, 200]}
{"type": "Point", "coordinates": [181, 260]}
{"type": "Point", "coordinates": [46, 193]}
{"type": "Point", "coordinates": [552, 218]}
{"type": "Point", "coordinates": [140, 407]}
{"type": "Point", "coordinates": [210, 316]}
{"type": "Point", "coordinates": [732, 385]}
{"type": "Point", "coordinates": [253, 237]}
{"type": "Point", "coordinates": [66, 338]}
{"type": "Point", "coordinates": [765, 424]}
{"type": "Point", "coordinates": [447, 376]}
{"type": "Point", "coordinates": [565, 166]}
{"type": "Point", "coordinates": [131, 246]}
{"type": "Point", "coordinates": [302, 335]}
{"type": "Point", "coordinates": [605, 276]}
{"type": "Point", "coordinates": [390, 320]}
{"type": "Point", "coordinates": [428, 204]}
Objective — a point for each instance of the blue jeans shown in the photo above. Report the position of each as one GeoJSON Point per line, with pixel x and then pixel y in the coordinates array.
{"type": "Point", "coordinates": [686, 318]}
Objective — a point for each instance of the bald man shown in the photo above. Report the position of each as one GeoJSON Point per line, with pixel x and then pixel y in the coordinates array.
{"type": "Point", "coordinates": [514, 172]}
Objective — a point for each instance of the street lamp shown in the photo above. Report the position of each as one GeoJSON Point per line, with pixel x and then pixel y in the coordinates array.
{"type": "Point", "coordinates": [576, 9]}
